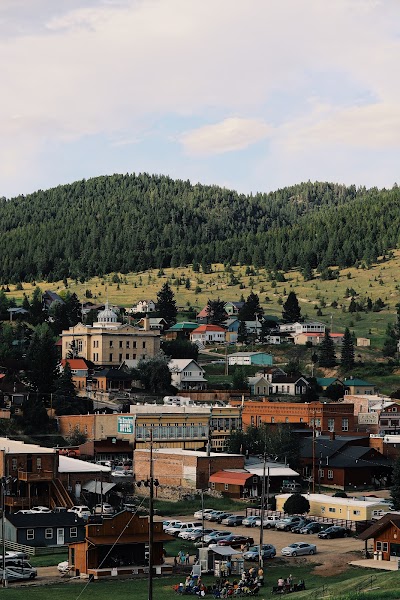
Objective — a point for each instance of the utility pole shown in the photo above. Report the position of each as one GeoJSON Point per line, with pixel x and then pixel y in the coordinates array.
{"type": "Point", "coordinates": [313, 452]}
{"type": "Point", "coordinates": [151, 519]}
{"type": "Point", "coordinates": [260, 550]}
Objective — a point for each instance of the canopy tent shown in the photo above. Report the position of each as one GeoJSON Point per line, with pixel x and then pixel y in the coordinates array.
{"type": "Point", "coordinates": [98, 487]}
{"type": "Point", "coordinates": [224, 550]}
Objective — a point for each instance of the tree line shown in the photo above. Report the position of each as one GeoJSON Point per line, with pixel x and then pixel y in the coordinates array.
{"type": "Point", "coordinates": [129, 223]}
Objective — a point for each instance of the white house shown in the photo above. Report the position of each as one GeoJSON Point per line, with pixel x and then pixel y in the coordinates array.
{"type": "Point", "coordinates": [309, 327]}
{"type": "Point", "coordinates": [250, 358]}
{"type": "Point", "coordinates": [143, 306]}
{"type": "Point", "coordinates": [208, 334]}
{"type": "Point", "coordinates": [186, 374]}
{"type": "Point", "coordinates": [291, 386]}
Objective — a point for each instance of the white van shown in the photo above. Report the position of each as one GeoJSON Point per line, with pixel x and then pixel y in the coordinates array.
{"type": "Point", "coordinates": [19, 569]}
{"type": "Point", "coordinates": [290, 487]}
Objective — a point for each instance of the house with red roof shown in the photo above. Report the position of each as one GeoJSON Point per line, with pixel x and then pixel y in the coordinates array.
{"type": "Point", "coordinates": [315, 338]}
{"type": "Point", "coordinates": [208, 334]}
{"type": "Point", "coordinates": [79, 369]}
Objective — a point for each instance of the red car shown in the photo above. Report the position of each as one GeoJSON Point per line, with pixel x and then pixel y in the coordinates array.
{"type": "Point", "coordinates": [236, 541]}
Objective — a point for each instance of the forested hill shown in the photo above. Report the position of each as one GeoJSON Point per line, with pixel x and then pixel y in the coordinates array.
{"type": "Point", "coordinates": [133, 222]}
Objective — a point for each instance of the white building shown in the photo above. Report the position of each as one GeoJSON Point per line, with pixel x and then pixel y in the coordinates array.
{"type": "Point", "coordinates": [143, 306]}
{"type": "Point", "coordinates": [309, 327]}
{"type": "Point", "coordinates": [186, 374]}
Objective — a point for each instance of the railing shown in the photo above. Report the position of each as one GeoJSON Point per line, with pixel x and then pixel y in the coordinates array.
{"type": "Point", "coordinates": [24, 501]}
{"type": "Point", "coordinates": [356, 526]}
{"type": "Point", "coordinates": [41, 476]}
{"type": "Point", "coordinates": [33, 550]}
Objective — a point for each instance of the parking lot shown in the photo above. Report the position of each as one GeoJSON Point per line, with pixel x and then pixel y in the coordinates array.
{"type": "Point", "coordinates": [280, 539]}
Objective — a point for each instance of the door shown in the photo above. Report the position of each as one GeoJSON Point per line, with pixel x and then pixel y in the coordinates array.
{"type": "Point", "coordinates": [60, 536]}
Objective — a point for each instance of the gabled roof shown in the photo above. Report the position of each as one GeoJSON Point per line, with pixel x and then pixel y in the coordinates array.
{"type": "Point", "coordinates": [179, 364]}
{"type": "Point", "coordinates": [63, 519]}
{"type": "Point", "coordinates": [75, 363]}
{"type": "Point", "coordinates": [287, 379]}
{"type": "Point", "coordinates": [203, 313]}
{"type": "Point", "coordinates": [236, 304]}
{"type": "Point", "coordinates": [381, 525]}
{"type": "Point", "coordinates": [327, 381]}
{"type": "Point", "coordinates": [183, 325]}
{"type": "Point", "coordinates": [360, 382]}
{"type": "Point", "coordinates": [204, 328]}
{"type": "Point", "coordinates": [113, 374]}
{"type": "Point", "coordinates": [249, 354]}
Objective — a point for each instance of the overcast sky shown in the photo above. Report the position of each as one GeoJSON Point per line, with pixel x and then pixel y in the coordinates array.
{"type": "Point", "coordinates": [248, 94]}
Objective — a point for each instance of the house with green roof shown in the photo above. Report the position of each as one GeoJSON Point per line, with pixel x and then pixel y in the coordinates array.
{"type": "Point", "coordinates": [326, 382]}
{"type": "Point", "coordinates": [181, 330]}
{"type": "Point", "coordinates": [359, 387]}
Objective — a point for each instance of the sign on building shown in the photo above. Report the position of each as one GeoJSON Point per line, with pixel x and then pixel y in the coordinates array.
{"type": "Point", "coordinates": [125, 425]}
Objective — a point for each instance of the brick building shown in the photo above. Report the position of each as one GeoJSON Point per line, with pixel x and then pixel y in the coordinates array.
{"type": "Point", "coordinates": [184, 468]}
{"type": "Point", "coordinates": [335, 417]}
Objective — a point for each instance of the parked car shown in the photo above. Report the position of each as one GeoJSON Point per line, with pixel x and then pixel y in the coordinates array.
{"type": "Point", "coordinates": [81, 511]}
{"type": "Point", "coordinates": [298, 549]}
{"type": "Point", "coordinates": [302, 523]}
{"type": "Point", "coordinates": [179, 527]}
{"type": "Point", "coordinates": [60, 509]}
{"type": "Point", "coordinates": [16, 554]}
{"type": "Point", "coordinates": [287, 523]}
{"type": "Point", "coordinates": [215, 536]}
{"type": "Point", "coordinates": [236, 541]}
{"type": "Point", "coordinates": [184, 535]}
{"type": "Point", "coordinates": [232, 521]}
{"type": "Point", "coordinates": [225, 515]}
{"type": "Point", "coordinates": [103, 509]}
{"type": "Point", "coordinates": [215, 515]}
{"type": "Point", "coordinates": [24, 511]}
{"type": "Point", "coordinates": [313, 527]}
{"type": "Point", "coordinates": [40, 509]}
{"type": "Point", "coordinates": [334, 532]}
{"type": "Point", "coordinates": [17, 569]}
{"type": "Point", "coordinates": [268, 522]}
{"type": "Point", "coordinates": [167, 524]}
{"type": "Point", "coordinates": [290, 487]}
{"type": "Point", "coordinates": [196, 535]}
{"type": "Point", "coordinates": [252, 554]}
{"type": "Point", "coordinates": [250, 521]}
{"type": "Point", "coordinates": [199, 513]}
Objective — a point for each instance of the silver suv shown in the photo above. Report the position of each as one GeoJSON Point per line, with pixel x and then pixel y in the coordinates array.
{"type": "Point", "coordinates": [287, 523]}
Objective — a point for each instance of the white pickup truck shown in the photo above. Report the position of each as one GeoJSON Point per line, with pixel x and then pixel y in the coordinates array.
{"type": "Point", "coordinates": [179, 527]}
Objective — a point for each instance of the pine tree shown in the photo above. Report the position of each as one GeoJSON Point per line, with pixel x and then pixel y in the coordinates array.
{"type": "Point", "coordinates": [166, 305]}
{"type": "Point", "coordinates": [251, 310]}
{"type": "Point", "coordinates": [347, 356]}
{"type": "Point", "coordinates": [216, 314]}
{"type": "Point", "coordinates": [243, 335]}
{"type": "Point", "coordinates": [291, 311]}
{"type": "Point", "coordinates": [326, 354]}
{"type": "Point", "coordinates": [41, 359]}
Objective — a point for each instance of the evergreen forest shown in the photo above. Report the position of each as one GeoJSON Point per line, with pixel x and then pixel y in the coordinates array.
{"type": "Point", "coordinates": [130, 223]}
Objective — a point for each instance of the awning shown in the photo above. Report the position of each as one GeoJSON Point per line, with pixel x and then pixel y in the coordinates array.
{"type": "Point", "coordinates": [223, 550]}
{"type": "Point", "coordinates": [98, 487]}
{"type": "Point", "coordinates": [230, 477]}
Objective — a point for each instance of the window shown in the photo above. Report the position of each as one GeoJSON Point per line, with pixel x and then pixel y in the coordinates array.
{"type": "Point", "coordinates": [119, 357]}
{"type": "Point", "coordinates": [14, 464]}
{"type": "Point", "coordinates": [127, 356]}
{"type": "Point", "coordinates": [301, 420]}
{"type": "Point", "coordinates": [128, 345]}
{"type": "Point", "coordinates": [73, 532]}
{"type": "Point", "coordinates": [39, 463]}
{"type": "Point", "coordinates": [111, 356]}
{"type": "Point", "coordinates": [356, 512]}
{"type": "Point", "coordinates": [252, 420]}
{"type": "Point", "coordinates": [331, 424]}
{"type": "Point", "coordinates": [120, 343]}
{"type": "Point", "coordinates": [321, 473]}
{"type": "Point", "coordinates": [30, 534]}
{"type": "Point", "coordinates": [134, 356]}
{"type": "Point", "coordinates": [272, 419]}
{"type": "Point", "coordinates": [111, 343]}
{"type": "Point", "coordinates": [286, 419]}
{"type": "Point", "coordinates": [133, 345]}
{"type": "Point", "coordinates": [48, 533]}
{"type": "Point", "coordinates": [79, 345]}
{"type": "Point", "coordinates": [330, 474]}
{"type": "Point", "coordinates": [345, 424]}
{"type": "Point", "coordinates": [255, 479]}
{"type": "Point", "coordinates": [212, 485]}
{"type": "Point", "coordinates": [382, 546]}
{"type": "Point", "coordinates": [322, 509]}
{"type": "Point", "coordinates": [226, 486]}
{"type": "Point", "coordinates": [143, 344]}
{"type": "Point", "coordinates": [331, 509]}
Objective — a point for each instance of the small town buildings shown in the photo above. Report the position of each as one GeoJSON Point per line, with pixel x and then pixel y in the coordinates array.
{"type": "Point", "coordinates": [259, 385]}
{"type": "Point", "coordinates": [233, 308]}
{"type": "Point", "coordinates": [250, 358]}
{"type": "Point", "coordinates": [187, 427]}
{"type": "Point", "coordinates": [359, 387]}
{"type": "Point", "coordinates": [110, 380]}
{"type": "Point", "coordinates": [184, 468]}
{"type": "Point", "coordinates": [186, 374]}
{"type": "Point", "coordinates": [202, 316]}
{"type": "Point", "coordinates": [348, 509]}
{"type": "Point", "coordinates": [326, 382]}
{"type": "Point", "coordinates": [288, 385]}
{"type": "Point", "coordinates": [49, 297]}
{"type": "Point", "coordinates": [143, 306]}
{"type": "Point", "coordinates": [110, 343]}
{"type": "Point", "coordinates": [75, 474]}
{"type": "Point", "coordinates": [323, 416]}
{"type": "Point", "coordinates": [117, 546]}
{"type": "Point", "coordinates": [344, 462]}
{"type": "Point", "coordinates": [208, 334]}
{"type": "Point", "coordinates": [389, 419]}
{"type": "Point", "coordinates": [315, 339]}
{"type": "Point", "coordinates": [79, 370]}
{"type": "Point", "coordinates": [307, 327]}
{"type": "Point", "coordinates": [363, 342]}
{"type": "Point", "coordinates": [235, 483]}
{"type": "Point", "coordinates": [385, 534]}
{"type": "Point", "coordinates": [180, 330]}
{"type": "Point", "coordinates": [389, 445]}
{"type": "Point", "coordinates": [154, 323]}
{"type": "Point", "coordinates": [44, 529]}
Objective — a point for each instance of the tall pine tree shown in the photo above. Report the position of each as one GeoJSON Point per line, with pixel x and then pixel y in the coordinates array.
{"type": "Point", "coordinates": [347, 356]}
{"type": "Point", "coordinates": [216, 314]}
{"type": "Point", "coordinates": [291, 311]}
{"type": "Point", "coordinates": [166, 305]}
{"type": "Point", "coordinates": [326, 353]}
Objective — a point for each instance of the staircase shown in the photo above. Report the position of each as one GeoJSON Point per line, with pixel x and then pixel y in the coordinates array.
{"type": "Point", "coordinates": [59, 495]}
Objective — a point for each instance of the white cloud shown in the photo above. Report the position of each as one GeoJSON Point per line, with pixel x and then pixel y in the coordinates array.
{"type": "Point", "coordinates": [226, 136]}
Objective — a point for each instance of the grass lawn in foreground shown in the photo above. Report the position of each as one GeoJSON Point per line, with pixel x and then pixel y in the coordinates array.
{"type": "Point", "coordinates": [343, 585]}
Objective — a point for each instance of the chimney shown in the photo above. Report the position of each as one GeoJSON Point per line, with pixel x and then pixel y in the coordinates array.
{"type": "Point", "coordinates": [146, 323]}
{"type": "Point", "coordinates": [332, 435]}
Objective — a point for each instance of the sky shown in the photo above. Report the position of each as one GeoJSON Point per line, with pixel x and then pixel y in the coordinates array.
{"type": "Point", "coordinates": [251, 95]}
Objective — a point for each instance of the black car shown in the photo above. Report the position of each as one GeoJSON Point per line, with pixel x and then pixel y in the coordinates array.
{"type": "Point", "coordinates": [296, 528]}
{"type": "Point", "coordinates": [313, 527]}
{"type": "Point", "coordinates": [334, 532]}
